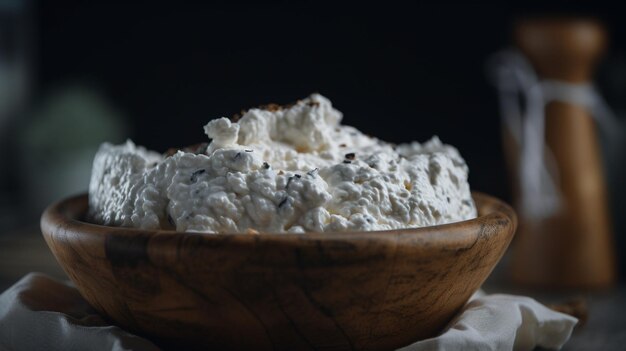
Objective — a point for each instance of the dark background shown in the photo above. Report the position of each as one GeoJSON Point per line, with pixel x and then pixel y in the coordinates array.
{"type": "Point", "coordinates": [400, 71]}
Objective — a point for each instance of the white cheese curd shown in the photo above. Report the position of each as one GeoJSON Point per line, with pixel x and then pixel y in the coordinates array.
{"type": "Point", "coordinates": [282, 169]}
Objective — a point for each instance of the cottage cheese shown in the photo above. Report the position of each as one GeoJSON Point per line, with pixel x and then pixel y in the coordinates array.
{"type": "Point", "coordinates": [291, 169]}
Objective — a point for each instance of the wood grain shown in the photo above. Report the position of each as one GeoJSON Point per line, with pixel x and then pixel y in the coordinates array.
{"type": "Point", "coordinates": [339, 291]}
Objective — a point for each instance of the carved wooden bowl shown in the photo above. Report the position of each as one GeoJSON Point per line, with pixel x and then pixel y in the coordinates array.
{"type": "Point", "coordinates": [361, 290]}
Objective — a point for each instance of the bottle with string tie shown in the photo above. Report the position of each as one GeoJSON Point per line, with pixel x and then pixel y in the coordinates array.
{"type": "Point", "coordinates": [565, 236]}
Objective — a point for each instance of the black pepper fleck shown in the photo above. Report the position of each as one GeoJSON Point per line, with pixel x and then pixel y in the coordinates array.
{"type": "Point", "coordinates": [289, 181]}
{"type": "Point", "coordinates": [196, 174]}
{"type": "Point", "coordinates": [283, 202]}
{"type": "Point", "coordinates": [350, 156]}
{"type": "Point", "coordinates": [238, 155]}
{"type": "Point", "coordinates": [313, 172]}
{"type": "Point", "coordinates": [266, 165]}
{"type": "Point", "coordinates": [248, 150]}
{"type": "Point", "coordinates": [347, 161]}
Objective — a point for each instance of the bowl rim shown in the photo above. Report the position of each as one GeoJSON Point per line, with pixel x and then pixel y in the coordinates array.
{"type": "Point", "coordinates": [66, 213]}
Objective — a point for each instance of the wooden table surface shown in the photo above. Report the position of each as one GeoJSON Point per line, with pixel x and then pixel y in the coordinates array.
{"type": "Point", "coordinates": [25, 251]}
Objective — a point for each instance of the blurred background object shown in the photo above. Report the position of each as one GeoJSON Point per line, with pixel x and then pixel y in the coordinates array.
{"type": "Point", "coordinates": [56, 143]}
{"type": "Point", "coordinates": [15, 82]}
{"type": "Point", "coordinates": [565, 238]}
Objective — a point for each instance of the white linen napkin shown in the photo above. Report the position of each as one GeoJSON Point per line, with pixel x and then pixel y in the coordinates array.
{"type": "Point", "coordinates": [41, 313]}
{"type": "Point", "coordinates": [502, 322]}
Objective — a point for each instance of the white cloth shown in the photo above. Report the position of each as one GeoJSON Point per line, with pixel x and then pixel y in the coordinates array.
{"type": "Point", "coordinates": [502, 322]}
{"type": "Point", "coordinates": [40, 313]}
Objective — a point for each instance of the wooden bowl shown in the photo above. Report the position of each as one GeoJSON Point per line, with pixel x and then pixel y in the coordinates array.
{"type": "Point", "coordinates": [360, 290]}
